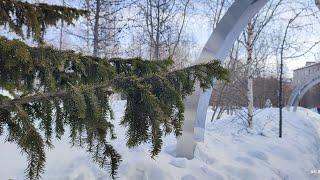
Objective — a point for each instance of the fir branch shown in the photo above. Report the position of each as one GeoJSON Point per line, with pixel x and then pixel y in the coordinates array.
{"type": "Point", "coordinates": [77, 89]}
{"type": "Point", "coordinates": [10, 104]}
{"type": "Point", "coordinates": [36, 17]}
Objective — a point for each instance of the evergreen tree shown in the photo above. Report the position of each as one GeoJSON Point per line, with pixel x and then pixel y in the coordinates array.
{"type": "Point", "coordinates": [53, 90]}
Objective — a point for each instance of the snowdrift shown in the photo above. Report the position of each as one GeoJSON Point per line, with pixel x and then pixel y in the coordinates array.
{"type": "Point", "coordinates": [229, 151]}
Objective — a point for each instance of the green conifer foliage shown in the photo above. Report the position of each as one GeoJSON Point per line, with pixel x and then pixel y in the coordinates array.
{"type": "Point", "coordinates": [35, 17]}
{"type": "Point", "coordinates": [55, 92]}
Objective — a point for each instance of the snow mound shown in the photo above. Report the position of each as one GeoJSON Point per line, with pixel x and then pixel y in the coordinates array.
{"type": "Point", "coordinates": [230, 151]}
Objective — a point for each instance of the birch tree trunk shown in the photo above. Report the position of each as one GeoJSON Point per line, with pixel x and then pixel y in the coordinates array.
{"type": "Point", "coordinates": [96, 29]}
{"type": "Point", "coordinates": [61, 30]}
{"type": "Point", "coordinates": [250, 34]}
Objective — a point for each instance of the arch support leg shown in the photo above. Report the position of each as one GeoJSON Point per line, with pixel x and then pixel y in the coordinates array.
{"type": "Point", "coordinates": [195, 116]}
{"type": "Point", "coordinates": [186, 142]}
{"type": "Point", "coordinates": [217, 47]}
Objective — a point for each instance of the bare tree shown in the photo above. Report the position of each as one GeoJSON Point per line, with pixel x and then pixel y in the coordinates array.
{"type": "Point", "coordinates": [97, 10]}
{"type": "Point", "coordinates": [215, 9]}
{"type": "Point", "coordinates": [250, 40]}
{"type": "Point", "coordinates": [103, 26]}
{"type": "Point", "coordinates": [61, 30]}
{"type": "Point", "coordinates": [162, 23]}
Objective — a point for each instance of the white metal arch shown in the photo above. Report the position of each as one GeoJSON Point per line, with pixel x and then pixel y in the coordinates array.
{"type": "Point", "coordinates": [301, 90]}
{"type": "Point", "coordinates": [217, 47]}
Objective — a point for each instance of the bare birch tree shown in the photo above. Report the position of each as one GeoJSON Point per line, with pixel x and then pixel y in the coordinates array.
{"type": "Point", "coordinates": [162, 23]}
{"type": "Point", "coordinates": [103, 26]}
{"type": "Point", "coordinates": [250, 40]}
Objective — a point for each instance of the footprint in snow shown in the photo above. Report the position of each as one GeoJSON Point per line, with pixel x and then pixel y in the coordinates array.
{"type": "Point", "coordinates": [179, 162]}
{"type": "Point", "coordinates": [212, 174]}
{"type": "Point", "coordinates": [259, 155]}
{"type": "Point", "coordinates": [244, 160]}
{"type": "Point", "coordinates": [188, 177]}
{"type": "Point", "coordinates": [205, 157]}
{"type": "Point", "coordinates": [237, 173]}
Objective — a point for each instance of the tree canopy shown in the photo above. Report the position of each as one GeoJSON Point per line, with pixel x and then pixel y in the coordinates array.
{"type": "Point", "coordinates": [53, 90]}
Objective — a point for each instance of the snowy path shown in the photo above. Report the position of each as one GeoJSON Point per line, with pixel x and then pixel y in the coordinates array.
{"type": "Point", "coordinates": [229, 152]}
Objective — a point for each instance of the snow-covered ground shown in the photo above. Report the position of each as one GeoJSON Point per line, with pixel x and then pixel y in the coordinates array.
{"type": "Point", "coordinates": [229, 152]}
